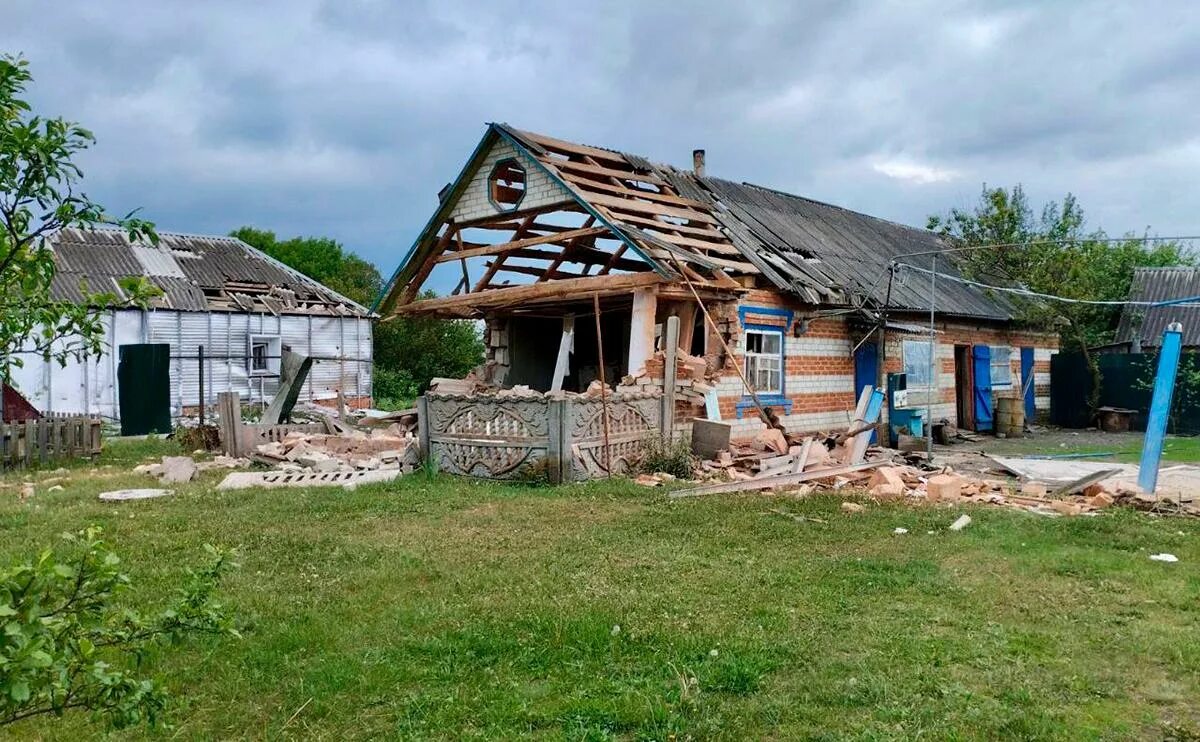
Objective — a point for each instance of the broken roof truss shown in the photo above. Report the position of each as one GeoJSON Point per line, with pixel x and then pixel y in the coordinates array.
{"type": "Point", "coordinates": [572, 220]}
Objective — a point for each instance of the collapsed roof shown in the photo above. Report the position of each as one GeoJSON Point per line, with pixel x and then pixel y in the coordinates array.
{"type": "Point", "coordinates": [674, 223]}
{"type": "Point", "coordinates": [196, 273]}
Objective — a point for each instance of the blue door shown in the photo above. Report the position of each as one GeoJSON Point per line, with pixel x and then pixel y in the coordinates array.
{"type": "Point", "coordinates": [1027, 382]}
{"type": "Point", "coordinates": [982, 361]}
{"type": "Point", "coordinates": [866, 365]}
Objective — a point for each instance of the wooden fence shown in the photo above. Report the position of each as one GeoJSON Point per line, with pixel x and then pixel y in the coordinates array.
{"type": "Point", "coordinates": [240, 438]}
{"type": "Point", "coordinates": [50, 439]}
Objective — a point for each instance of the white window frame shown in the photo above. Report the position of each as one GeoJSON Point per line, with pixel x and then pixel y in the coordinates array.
{"type": "Point", "coordinates": [757, 361]}
{"type": "Point", "coordinates": [931, 372]}
{"type": "Point", "coordinates": [274, 352]}
{"type": "Point", "coordinates": [996, 351]}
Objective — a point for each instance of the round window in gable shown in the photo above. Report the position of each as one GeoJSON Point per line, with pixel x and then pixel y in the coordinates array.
{"type": "Point", "coordinates": [506, 185]}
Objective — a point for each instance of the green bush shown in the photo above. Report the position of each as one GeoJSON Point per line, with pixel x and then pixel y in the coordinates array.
{"type": "Point", "coordinates": [67, 645]}
{"type": "Point", "coordinates": [672, 457]}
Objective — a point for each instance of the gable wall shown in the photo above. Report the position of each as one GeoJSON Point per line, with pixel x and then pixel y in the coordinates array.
{"type": "Point", "coordinates": [540, 189]}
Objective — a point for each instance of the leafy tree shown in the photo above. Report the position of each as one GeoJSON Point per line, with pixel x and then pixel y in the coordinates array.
{"type": "Point", "coordinates": [409, 351]}
{"type": "Point", "coordinates": [1054, 254]}
{"type": "Point", "coordinates": [65, 645]}
{"type": "Point", "coordinates": [39, 194]}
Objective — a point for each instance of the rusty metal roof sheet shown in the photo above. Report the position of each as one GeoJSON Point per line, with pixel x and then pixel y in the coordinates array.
{"type": "Point", "coordinates": [194, 272]}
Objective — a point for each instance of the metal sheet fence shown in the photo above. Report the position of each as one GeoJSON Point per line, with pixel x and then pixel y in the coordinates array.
{"type": "Point", "coordinates": [1127, 380]}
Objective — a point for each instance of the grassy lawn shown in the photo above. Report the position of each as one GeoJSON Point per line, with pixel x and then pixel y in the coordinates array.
{"type": "Point", "coordinates": [445, 609]}
{"type": "Point", "coordinates": [1125, 447]}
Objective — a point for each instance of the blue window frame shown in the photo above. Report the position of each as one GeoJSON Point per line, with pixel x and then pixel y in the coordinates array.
{"type": "Point", "coordinates": [765, 364]}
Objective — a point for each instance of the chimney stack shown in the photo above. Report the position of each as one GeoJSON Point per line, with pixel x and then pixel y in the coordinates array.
{"type": "Point", "coordinates": [698, 162]}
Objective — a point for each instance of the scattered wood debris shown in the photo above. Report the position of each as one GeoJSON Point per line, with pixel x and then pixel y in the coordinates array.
{"type": "Point", "coordinates": [778, 461]}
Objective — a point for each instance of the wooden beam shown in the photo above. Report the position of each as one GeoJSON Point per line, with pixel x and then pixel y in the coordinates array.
{"type": "Point", "coordinates": [533, 270]}
{"type": "Point", "coordinates": [583, 167]}
{"type": "Point", "coordinates": [414, 286]}
{"type": "Point", "coordinates": [705, 230]}
{"type": "Point", "coordinates": [569, 248]}
{"type": "Point", "coordinates": [572, 148]}
{"type": "Point", "coordinates": [567, 205]}
{"type": "Point", "coordinates": [495, 265]}
{"type": "Point", "coordinates": [518, 244]}
{"type": "Point", "coordinates": [643, 207]}
{"type": "Point", "coordinates": [623, 190]}
{"type": "Point", "coordinates": [616, 283]}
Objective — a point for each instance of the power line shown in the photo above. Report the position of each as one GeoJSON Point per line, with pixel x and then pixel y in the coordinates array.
{"type": "Point", "coordinates": [1031, 243]}
{"type": "Point", "coordinates": [1185, 302]}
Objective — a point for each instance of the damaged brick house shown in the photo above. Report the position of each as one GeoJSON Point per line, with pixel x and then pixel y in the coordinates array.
{"type": "Point", "coordinates": [536, 230]}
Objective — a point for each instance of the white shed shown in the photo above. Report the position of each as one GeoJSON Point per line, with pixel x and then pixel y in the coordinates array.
{"type": "Point", "coordinates": [222, 300]}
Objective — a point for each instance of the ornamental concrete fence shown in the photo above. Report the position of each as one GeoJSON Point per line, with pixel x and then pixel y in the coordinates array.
{"type": "Point", "coordinates": [573, 437]}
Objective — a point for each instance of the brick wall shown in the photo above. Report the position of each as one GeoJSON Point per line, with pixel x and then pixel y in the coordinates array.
{"type": "Point", "coordinates": [819, 365]}
{"type": "Point", "coordinates": [540, 190]}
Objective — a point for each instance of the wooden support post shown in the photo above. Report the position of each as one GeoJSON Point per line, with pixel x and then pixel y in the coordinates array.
{"type": "Point", "coordinates": [603, 383]}
{"type": "Point", "coordinates": [200, 356]}
{"type": "Point", "coordinates": [670, 353]}
{"type": "Point", "coordinates": [423, 432]}
{"type": "Point", "coordinates": [30, 441]}
{"type": "Point", "coordinates": [641, 329]}
{"type": "Point", "coordinates": [566, 345]}
{"type": "Point", "coordinates": [229, 407]}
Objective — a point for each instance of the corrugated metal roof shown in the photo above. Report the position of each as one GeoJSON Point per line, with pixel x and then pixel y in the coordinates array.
{"type": "Point", "coordinates": [1146, 324]}
{"type": "Point", "coordinates": [195, 272]}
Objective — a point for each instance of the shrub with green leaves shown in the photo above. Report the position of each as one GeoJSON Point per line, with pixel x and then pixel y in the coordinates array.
{"type": "Point", "coordinates": [673, 457]}
{"type": "Point", "coordinates": [65, 644]}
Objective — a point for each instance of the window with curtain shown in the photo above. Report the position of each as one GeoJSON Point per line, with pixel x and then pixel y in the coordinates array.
{"type": "Point", "coordinates": [764, 360]}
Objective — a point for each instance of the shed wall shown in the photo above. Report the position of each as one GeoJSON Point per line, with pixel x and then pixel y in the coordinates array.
{"type": "Point", "coordinates": [341, 347]}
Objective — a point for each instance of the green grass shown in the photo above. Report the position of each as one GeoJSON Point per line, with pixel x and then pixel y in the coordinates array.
{"type": "Point", "coordinates": [1125, 447]}
{"type": "Point", "coordinates": [436, 608]}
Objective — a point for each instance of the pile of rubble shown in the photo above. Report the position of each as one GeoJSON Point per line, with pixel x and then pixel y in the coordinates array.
{"type": "Point", "coordinates": [393, 447]}
{"type": "Point", "coordinates": [778, 461]}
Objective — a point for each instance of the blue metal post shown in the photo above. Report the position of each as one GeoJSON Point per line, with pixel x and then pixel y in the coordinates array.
{"type": "Point", "coordinates": [1160, 406]}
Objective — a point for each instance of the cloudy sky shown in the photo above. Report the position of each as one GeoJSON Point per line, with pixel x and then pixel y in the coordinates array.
{"type": "Point", "coordinates": [344, 117]}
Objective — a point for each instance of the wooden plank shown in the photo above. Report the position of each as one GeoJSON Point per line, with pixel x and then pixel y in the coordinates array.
{"type": "Point", "coordinates": [565, 345]}
{"type": "Point", "coordinates": [571, 148]}
{"type": "Point", "coordinates": [530, 270]}
{"type": "Point", "coordinates": [30, 441]}
{"type": "Point", "coordinates": [495, 265]}
{"type": "Point", "coordinates": [586, 255]}
{"type": "Point", "coordinates": [723, 248]}
{"type": "Point", "coordinates": [782, 480]}
{"type": "Point", "coordinates": [642, 207]}
{"type": "Point", "coordinates": [704, 230]}
{"type": "Point", "coordinates": [44, 440]}
{"type": "Point", "coordinates": [622, 190]}
{"type": "Point", "coordinates": [567, 205]}
{"type": "Point", "coordinates": [3, 444]}
{"type": "Point", "coordinates": [518, 244]}
{"type": "Point", "coordinates": [551, 289]}
{"type": "Point", "coordinates": [583, 167]}
{"type": "Point", "coordinates": [802, 458]}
